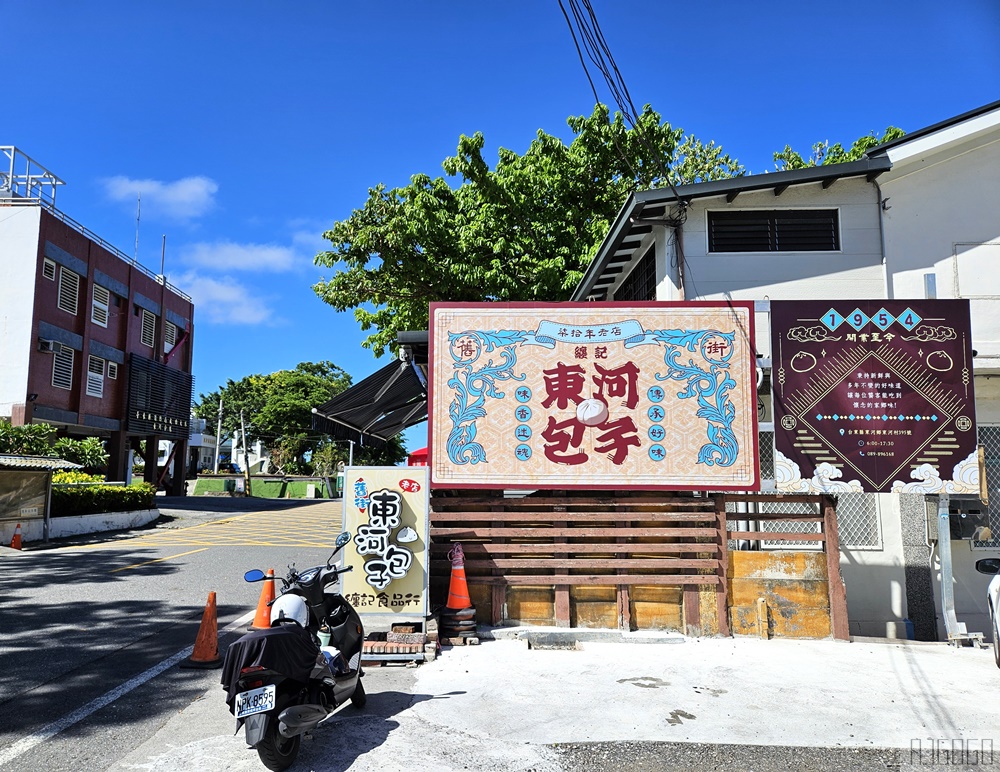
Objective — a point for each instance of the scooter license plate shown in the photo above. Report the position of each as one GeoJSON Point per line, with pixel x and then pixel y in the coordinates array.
{"type": "Point", "coordinates": [254, 701]}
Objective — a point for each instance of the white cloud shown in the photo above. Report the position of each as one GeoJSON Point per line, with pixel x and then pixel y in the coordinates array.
{"type": "Point", "coordinates": [183, 199]}
{"type": "Point", "coordinates": [310, 241]}
{"type": "Point", "coordinates": [307, 235]}
{"type": "Point", "coordinates": [225, 300]}
{"type": "Point", "coordinates": [228, 255]}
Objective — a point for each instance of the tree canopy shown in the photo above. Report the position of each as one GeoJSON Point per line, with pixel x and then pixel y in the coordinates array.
{"type": "Point", "coordinates": [277, 409]}
{"type": "Point", "coordinates": [823, 153]}
{"type": "Point", "coordinates": [524, 230]}
{"type": "Point", "coordinates": [41, 440]}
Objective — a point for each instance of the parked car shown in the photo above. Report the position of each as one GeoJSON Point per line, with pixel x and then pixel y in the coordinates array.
{"type": "Point", "coordinates": [992, 566]}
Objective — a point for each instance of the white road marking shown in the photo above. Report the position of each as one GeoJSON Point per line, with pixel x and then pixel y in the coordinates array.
{"type": "Point", "coordinates": [25, 744]}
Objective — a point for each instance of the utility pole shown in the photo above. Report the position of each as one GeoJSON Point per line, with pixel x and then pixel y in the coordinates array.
{"type": "Point", "coordinates": [246, 454]}
{"type": "Point", "coordinates": [218, 436]}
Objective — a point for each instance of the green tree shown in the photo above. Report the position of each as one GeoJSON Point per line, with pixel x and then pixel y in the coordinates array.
{"type": "Point", "coordinates": [88, 452]}
{"type": "Point", "coordinates": [277, 410]}
{"type": "Point", "coordinates": [524, 230]}
{"type": "Point", "coordinates": [27, 440]}
{"type": "Point", "coordinates": [41, 440]}
{"type": "Point", "coordinates": [823, 153]}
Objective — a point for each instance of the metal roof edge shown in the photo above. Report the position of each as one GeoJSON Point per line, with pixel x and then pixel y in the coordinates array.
{"type": "Point", "coordinates": [880, 150]}
{"type": "Point", "coordinates": [45, 463]}
{"type": "Point", "coordinates": [638, 201]}
{"type": "Point", "coordinates": [595, 267]}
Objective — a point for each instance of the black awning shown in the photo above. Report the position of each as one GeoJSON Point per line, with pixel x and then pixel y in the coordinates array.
{"type": "Point", "coordinates": [378, 408]}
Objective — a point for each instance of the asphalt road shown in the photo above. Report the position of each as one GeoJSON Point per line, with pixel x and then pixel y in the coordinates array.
{"type": "Point", "coordinates": [84, 616]}
{"type": "Point", "coordinates": [91, 631]}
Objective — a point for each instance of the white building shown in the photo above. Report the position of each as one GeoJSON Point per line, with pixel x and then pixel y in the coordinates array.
{"type": "Point", "coordinates": [915, 218]}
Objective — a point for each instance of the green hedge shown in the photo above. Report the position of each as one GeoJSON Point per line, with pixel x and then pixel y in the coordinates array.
{"type": "Point", "coordinates": [263, 487]}
{"type": "Point", "coordinates": [209, 485]}
{"type": "Point", "coordinates": [70, 500]}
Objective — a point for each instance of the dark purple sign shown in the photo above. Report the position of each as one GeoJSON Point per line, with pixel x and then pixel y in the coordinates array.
{"type": "Point", "coordinates": [873, 395]}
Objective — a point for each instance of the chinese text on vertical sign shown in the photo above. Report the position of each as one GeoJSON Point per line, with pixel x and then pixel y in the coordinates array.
{"type": "Point", "coordinates": [387, 515]}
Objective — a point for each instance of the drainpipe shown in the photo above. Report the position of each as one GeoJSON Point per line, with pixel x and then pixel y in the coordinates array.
{"type": "Point", "coordinates": [955, 630]}
{"type": "Point", "coordinates": [879, 203]}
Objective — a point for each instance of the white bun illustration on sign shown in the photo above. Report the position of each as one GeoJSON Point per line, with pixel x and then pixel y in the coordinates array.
{"type": "Point", "coordinates": [406, 535]}
{"type": "Point", "coordinates": [802, 362]}
{"type": "Point", "coordinates": [592, 412]}
{"type": "Point", "coordinates": [940, 361]}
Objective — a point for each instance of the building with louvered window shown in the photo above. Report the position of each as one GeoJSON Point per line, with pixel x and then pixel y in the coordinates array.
{"type": "Point", "coordinates": [915, 218]}
{"type": "Point", "coordinates": [90, 340]}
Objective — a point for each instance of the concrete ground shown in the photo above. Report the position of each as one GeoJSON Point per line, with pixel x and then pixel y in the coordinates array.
{"type": "Point", "coordinates": [506, 706]}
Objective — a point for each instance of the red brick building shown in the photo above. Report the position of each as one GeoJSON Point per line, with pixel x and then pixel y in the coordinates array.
{"type": "Point", "coordinates": [90, 341]}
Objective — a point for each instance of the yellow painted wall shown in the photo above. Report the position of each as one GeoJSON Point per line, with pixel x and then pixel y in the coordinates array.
{"type": "Point", "coordinates": [794, 586]}
{"type": "Point", "coordinates": [657, 608]}
{"type": "Point", "coordinates": [593, 606]}
{"type": "Point", "coordinates": [531, 605]}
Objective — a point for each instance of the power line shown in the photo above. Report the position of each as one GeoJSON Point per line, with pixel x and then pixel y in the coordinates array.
{"type": "Point", "coordinates": [599, 52]}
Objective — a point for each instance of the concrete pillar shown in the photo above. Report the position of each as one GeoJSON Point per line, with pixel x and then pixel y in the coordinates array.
{"type": "Point", "coordinates": [177, 485]}
{"type": "Point", "coordinates": [917, 566]}
{"type": "Point", "coordinates": [118, 448]}
{"type": "Point", "coordinates": [151, 474]}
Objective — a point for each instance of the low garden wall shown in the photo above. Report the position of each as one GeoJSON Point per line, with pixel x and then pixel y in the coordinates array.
{"type": "Point", "coordinates": [82, 506]}
{"type": "Point", "coordinates": [76, 525]}
{"type": "Point", "coordinates": [263, 486]}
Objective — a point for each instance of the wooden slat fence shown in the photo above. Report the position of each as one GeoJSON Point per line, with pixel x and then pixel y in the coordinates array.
{"type": "Point", "coordinates": [827, 537]}
{"type": "Point", "coordinates": [569, 539]}
{"type": "Point", "coordinates": [626, 539]}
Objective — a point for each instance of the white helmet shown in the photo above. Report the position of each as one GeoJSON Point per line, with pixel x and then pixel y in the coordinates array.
{"type": "Point", "coordinates": [289, 608]}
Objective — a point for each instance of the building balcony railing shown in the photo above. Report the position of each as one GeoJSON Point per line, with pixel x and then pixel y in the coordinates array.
{"type": "Point", "coordinates": [8, 200]}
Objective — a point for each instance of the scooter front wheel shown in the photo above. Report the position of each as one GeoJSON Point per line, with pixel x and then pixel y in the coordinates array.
{"type": "Point", "coordinates": [277, 752]}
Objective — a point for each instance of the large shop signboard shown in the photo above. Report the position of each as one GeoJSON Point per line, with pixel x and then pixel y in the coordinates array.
{"type": "Point", "coordinates": [386, 510]}
{"type": "Point", "coordinates": [656, 396]}
{"type": "Point", "coordinates": [874, 396]}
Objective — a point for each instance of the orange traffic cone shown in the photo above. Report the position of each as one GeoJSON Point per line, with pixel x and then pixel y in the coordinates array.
{"type": "Point", "coordinates": [206, 646]}
{"type": "Point", "coordinates": [15, 542]}
{"type": "Point", "coordinates": [458, 590]}
{"type": "Point", "coordinates": [262, 619]}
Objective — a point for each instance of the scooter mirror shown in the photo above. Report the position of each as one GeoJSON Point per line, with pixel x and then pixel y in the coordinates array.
{"type": "Point", "coordinates": [254, 575]}
{"type": "Point", "coordinates": [343, 539]}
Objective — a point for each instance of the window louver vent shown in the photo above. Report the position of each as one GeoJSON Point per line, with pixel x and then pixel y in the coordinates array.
{"type": "Point", "coordinates": [169, 336]}
{"type": "Point", "coordinates": [95, 377]}
{"type": "Point", "coordinates": [69, 291]}
{"type": "Point", "coordinates": [99, 310]}
{"type": "Point", "coordinates": [62, 368]}
{"type": "Point", "coordinates": [780, 230]}
{"type": "Point", "coordinates": [148, 335]}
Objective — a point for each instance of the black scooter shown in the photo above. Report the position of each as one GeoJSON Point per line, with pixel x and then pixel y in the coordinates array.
{"type": "Point", "coordinates": [281, 683]}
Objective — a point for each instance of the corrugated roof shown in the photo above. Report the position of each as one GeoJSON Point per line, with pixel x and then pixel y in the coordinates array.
{"type": "Point", "coordinates": [35, 462]}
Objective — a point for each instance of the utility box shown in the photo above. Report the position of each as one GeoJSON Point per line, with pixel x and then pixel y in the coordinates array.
{"type": "Point", "coordinates": [968, 520]}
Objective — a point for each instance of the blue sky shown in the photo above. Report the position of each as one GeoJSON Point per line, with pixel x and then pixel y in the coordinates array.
{"type": "Point", "coordinates": [250, 127]}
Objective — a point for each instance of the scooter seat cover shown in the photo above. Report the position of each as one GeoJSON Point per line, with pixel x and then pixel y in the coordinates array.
{"type": "Point", "coordinates": [289, 650]}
